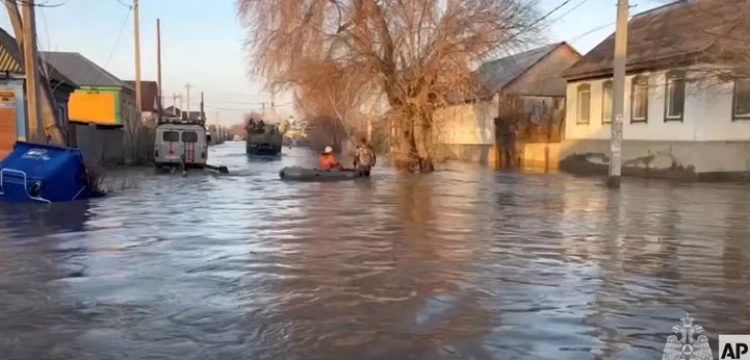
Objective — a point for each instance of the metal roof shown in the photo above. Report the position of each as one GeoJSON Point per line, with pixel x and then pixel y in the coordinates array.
{"type": "Point", "coordinates": [81, 70]}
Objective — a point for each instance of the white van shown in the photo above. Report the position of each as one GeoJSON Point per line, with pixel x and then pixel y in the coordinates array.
{"type": "Point", "coordinates": [177, 139]}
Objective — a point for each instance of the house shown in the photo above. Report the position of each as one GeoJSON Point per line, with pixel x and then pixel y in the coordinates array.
{"type": "Point", "coordinates": [98, 109]}
{"type": "Point", "coordinates": [13, 123]}
{"type": "Point", "coordinates": [680, 119]}
{"type": "Point", "coordinates": [527, 86]}
{"type": "Point", "coordinates": [149, 99]}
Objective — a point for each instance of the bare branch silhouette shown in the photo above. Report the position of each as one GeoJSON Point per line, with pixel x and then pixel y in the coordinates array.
{"type": "Point", "coordinates": [338, 53]}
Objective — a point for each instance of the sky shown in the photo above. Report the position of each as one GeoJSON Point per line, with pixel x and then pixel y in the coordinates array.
{"type": "Point", "coordinates": [202, 45]}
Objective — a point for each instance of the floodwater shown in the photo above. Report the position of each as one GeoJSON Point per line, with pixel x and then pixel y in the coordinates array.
{"type": "Point", "coordinates": [465, 263]}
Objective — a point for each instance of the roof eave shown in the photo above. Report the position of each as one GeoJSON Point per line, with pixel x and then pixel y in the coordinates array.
{"type": "Point", "coordinates": [650, 65]}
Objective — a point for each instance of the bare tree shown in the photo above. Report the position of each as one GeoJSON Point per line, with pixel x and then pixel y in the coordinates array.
{"type": "Point", "coordinates": [417, 52]}
{"type": "Point", "coordinates": [711, 37]}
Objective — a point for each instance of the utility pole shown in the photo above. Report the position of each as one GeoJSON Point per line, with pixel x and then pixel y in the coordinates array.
{"type": "Point", "coordinates": [203, 118]}
{"type": "Point", "coordinates": [34, 107]}
{"type": "Point", "coordinates": [174, 104]}
{"type": "Point", "coordinates": [158, 63]}
{"type": "Point", "coordinates": [137, 30]}
{"type": "Point", "coordinates": [188, 86]}
{"type": "Point", "coordinates": [618, 94]}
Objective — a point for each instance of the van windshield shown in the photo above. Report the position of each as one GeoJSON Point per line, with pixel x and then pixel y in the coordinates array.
{"type": "Point", "coordinates": [170, 136]}
{"type": "Point", "coordinates": [189, 136]}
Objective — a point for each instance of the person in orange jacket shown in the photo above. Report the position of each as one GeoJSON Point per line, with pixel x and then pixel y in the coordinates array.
{"type": "Point", "coordinates": [327, 161]}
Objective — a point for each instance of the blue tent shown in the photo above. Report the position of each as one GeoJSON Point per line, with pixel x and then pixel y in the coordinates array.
{"type": "Point", "coordinates": [43, 173]}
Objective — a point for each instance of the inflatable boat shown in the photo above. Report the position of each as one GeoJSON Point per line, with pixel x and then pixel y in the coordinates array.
{"type": "Point", "coordinates": [304, 174]}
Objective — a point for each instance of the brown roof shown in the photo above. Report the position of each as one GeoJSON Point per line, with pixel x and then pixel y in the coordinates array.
{"type": "Point", "coordinates": [676, 34]}
{"type": "Point", "coordinates": [11, 60]}
{"type": "Point", "coordinates": [149, 94]}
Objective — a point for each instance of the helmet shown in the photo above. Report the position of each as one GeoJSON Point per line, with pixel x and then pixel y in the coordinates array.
{"type": "Point", "coordinates": [328, 150]}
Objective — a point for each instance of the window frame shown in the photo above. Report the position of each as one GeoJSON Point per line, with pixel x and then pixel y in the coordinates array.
{"type": "Point", "coordinates": [735, 116]}
{"type": "Point", "coordinates": [638, 80]}
{"type": "Point", "coordinates": [608, 84]}
{"type": "Point", "coordinates": [581, 89]}
{"type": "Point", "coordinates": [164, 136]}
{"type": "Point", "coordinates": [671, 76]}
{"type": "Point", "coordinates": [191, 133]}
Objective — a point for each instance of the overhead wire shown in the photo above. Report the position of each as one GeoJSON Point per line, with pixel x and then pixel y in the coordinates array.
{"type": "Point", "coordinates": [42, 5]}
{"type": "Point", "coordinates": [119, 37]}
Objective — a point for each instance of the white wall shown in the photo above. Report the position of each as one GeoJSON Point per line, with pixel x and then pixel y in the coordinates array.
{"type": "Point", "coordinates": [707, 115]}
{"type": "Point", "coordinates": [467, 124]}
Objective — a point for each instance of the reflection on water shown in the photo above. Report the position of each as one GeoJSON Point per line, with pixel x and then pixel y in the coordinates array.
{"type": "Point", "coordinates": [461, 264]}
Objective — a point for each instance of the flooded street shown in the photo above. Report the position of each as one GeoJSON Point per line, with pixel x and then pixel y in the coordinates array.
{"type": "Point", "coordinates": [465, 263]}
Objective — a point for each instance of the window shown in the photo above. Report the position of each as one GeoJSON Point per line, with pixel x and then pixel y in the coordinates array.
{"type": "Point", "coordinates": [584, 104]}
{"type": "Point", "coordinates": [674, 100]}
{"type": "Point", "coordinates": [607, 102]}
{"type": "Point", "coordinates": [170, 136]}
{"type": "Point", "coordinates": [639, 100]}
{"type": "Point", "coordinates": [189, 137]}
{"type": "Point", "coordinates": [741, 100]}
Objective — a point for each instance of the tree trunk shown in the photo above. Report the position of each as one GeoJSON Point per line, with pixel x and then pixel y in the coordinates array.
{"type": "Point", "coordinates": [401, 153]}
{"type": "Point", "coordinates": [413, 130]}
{"type": "Point", "coordinates": [423, 141]}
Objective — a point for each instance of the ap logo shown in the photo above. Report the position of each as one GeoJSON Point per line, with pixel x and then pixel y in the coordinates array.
{"type": "Point", "coordinates": [687, 347]}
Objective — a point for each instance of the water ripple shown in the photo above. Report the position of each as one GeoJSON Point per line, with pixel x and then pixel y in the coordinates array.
{"type": "Point", "coordinates": [462, 264]}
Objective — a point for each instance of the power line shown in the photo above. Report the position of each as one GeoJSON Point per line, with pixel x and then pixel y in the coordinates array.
{"type": "Point", "coordinates": [123, 4]}
{"type": "Point", "coordinates": [579, 36]}
{"type": "Point", "coordinates": [119, 36]}
{"type": "Point", "coordinates": [566, 2]}
{"type": "Point", "coordinates": [42, 5]}
{"type": "Point", "coordinates": [569, 11]}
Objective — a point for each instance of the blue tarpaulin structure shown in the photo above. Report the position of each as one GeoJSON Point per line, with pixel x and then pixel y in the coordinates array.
{"type": "Point", "coordinates": [43, 173]}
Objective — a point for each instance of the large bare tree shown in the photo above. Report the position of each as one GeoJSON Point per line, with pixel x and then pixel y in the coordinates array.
{"type": "Point", "coordinates": [417, 52]}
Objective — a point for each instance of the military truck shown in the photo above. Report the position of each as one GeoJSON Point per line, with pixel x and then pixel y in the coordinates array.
{"type": "Point", "coordinates": [264, 139]}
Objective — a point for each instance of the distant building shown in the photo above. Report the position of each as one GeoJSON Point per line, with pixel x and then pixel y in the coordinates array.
{"type": "Point", "coordinates": [149, 99]}
{"type": "Point", "coordinates": [527, 86]}
{"type": "Point", "coordinates": [13, 125]}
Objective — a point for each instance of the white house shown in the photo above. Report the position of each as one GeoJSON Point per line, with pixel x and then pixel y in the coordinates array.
{"type": "Point", "coordinates": [680, 120]}
{"type": "Point", "coordinates": [531, 79]}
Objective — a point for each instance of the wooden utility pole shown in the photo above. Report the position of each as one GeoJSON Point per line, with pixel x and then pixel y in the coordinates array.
{"type": "Point", "coordinates": [137, 30]}
{"type": "Point", "coordinates": [158, 64]}
{"type": "Point", "coordinates": [203, 119]}
{"type": "Point", "coordinates": [30, 55]}
{"type": "Point", "coordinates": [187, 87]}
{"type": "Point", "coordinates": [618, 94]}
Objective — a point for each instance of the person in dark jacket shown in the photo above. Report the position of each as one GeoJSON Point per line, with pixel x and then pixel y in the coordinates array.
{"type": "Point", "coordinates": [364, 157]}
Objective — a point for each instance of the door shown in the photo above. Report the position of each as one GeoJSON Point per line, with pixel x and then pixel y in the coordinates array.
{"type": "Point", "coordinates": [8, 125]}
{"type": "Point", "coordinates": [190, 142]}
{"type": "Point", "coordinates": [170, 147]}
